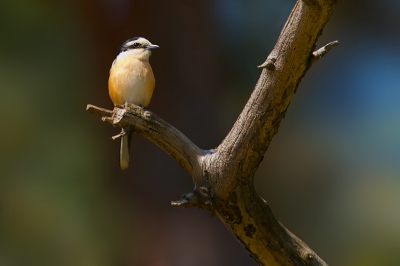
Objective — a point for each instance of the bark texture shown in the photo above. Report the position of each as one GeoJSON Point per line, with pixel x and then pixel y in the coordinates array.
{"type": "Point", "coordinates": [223, 177]}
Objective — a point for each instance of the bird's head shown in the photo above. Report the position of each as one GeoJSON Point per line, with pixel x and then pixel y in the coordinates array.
{"type": "Point", "coordinates": [139, 47]}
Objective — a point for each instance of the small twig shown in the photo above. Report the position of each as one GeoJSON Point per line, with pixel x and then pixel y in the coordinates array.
{"type": "Point", "coordinates": [268, 64]}
{"type": "Point", "coordinates": [120, 135]}
{"type": "Point", "coordinates": [192, 200]}
{"type": "Point", "coordinates": [106, 115]}
{"type": "Point", "coordinates": [186, 200]}
{"type": "Point", "coordinates": [322, 51]}
{"type": "Point", "coordinates": [99, 111]}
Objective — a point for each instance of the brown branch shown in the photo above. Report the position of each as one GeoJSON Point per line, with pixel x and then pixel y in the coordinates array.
{"type": "Point", "coordinates": [223, 177]}
{"type": "Point", "coordinates": [152, 127]}
{"type": "Point", "coordinates": [260, 119]}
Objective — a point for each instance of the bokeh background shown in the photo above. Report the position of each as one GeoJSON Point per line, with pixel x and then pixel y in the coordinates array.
{"type": "Point", "coordinates": [331, 174]}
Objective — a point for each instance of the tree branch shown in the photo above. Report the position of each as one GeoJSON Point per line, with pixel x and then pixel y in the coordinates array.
{"type": "Point", "coordinates": [268, 103]}
{"type": "Point", "coordinates": [152, 127]}
{"type": "Point", "coordinates": [223, 177]}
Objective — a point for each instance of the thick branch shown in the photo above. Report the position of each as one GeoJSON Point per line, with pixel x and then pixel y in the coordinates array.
{"type": "Point", "coordinates": [240, 208]}
{"type": "Point", "coordinates": [152, 127]}
{"type": "Point", "coordinates": [281, 75]}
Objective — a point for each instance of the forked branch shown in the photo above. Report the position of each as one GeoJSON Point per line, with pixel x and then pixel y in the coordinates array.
{"type": "Point", "coordinates": [223, 177]}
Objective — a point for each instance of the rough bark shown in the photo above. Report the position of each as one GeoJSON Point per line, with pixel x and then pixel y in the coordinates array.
{"type": "Point", "coordinates": [223, 177]}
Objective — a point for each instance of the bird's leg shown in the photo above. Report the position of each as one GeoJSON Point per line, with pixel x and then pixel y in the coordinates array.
{"type": "Point", "coordinates": [125, 105]}
{"type": "Point", "coordinates": [120, 106]}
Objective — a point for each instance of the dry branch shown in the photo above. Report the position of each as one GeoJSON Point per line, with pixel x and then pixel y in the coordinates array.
{"type": "Point", "coordinates": [223, 177]}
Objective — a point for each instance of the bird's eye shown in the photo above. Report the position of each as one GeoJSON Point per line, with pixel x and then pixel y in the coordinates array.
{"type": "Point", "coordinates": [136, 45]}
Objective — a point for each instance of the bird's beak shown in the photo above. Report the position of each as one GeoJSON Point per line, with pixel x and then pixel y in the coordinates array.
{"type": "Point", "coordinates": [151, 47]}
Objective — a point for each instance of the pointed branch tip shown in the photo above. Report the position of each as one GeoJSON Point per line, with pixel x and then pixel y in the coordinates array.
{"type": "Point", "coordinates": [186, 200]}
{"type": "Point", "coordinates": [194, 199]}
{"type": "Point", "coordinates": [322, 51]}
{"type": "Point", "coordinates": [268, 64]}
{"type": "Point", "coordinates": [120, 135]}
{"type": "Point", "coordinates": [98, 111]}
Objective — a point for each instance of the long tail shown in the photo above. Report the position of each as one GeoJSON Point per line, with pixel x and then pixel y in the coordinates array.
{"type": "Point", "coordinates": [124, 150]}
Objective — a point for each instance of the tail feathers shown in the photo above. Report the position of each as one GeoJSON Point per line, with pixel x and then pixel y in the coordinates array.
{"type": "Point", "coordinates": [124, 151]}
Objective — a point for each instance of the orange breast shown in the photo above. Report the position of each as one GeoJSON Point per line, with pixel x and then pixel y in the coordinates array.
{"type": "Point", "coordinates": [131, 80]}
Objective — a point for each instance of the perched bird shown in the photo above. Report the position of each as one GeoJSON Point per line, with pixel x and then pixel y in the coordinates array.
{"type": "Point", "coordinates": [131, 80]}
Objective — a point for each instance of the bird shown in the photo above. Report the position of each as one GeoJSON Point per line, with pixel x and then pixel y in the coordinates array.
{"type": "Point", "coordinates": [131, 80]}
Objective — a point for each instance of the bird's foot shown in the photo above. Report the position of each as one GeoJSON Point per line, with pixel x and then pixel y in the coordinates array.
{"type": "Point", "coordinates": [126, 104]}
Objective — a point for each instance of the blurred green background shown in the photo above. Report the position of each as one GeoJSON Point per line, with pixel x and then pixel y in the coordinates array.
{"type": "Point", "coordinates": [331, 174]}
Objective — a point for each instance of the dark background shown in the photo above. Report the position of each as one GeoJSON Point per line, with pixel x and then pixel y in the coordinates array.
{"type": "Point", "coordinates": [331, 174]}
